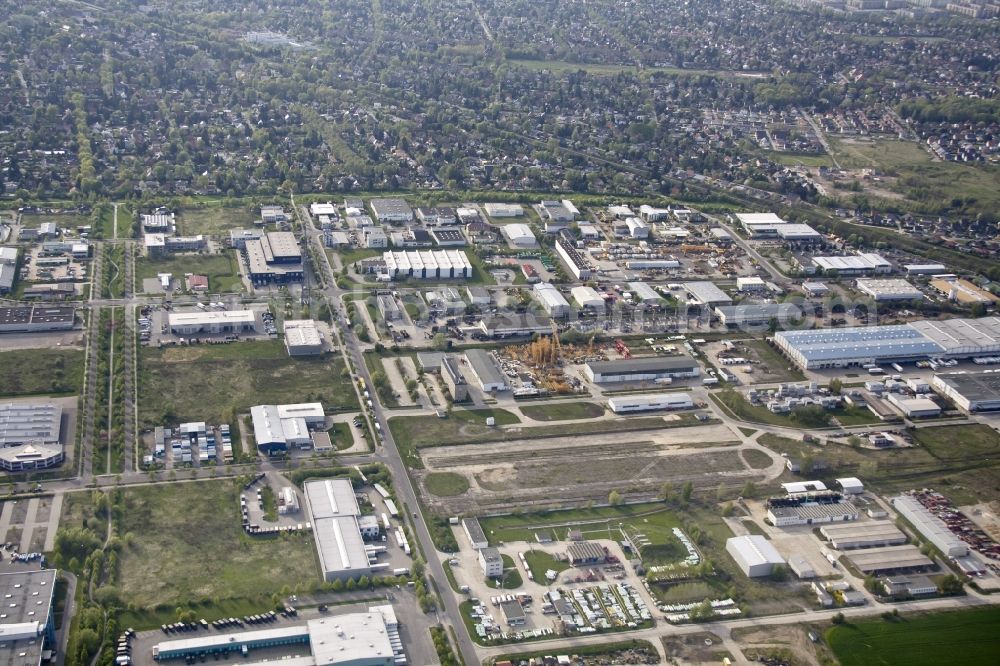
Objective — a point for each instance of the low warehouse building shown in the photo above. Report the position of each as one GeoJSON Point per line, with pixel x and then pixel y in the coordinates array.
{"type": "Point", "coordinates": [970, 392]}
{"type": "Point", "coordinates": [914, 407]}
{"type": "Point", "coordinates": [37, 318]}
{"type": "Point", "coordinates": [586, 297]}
{"type": "Point", "coordinates": [551, 300]}
{"type": "Point", "coordinates": [651, 402]}
{"type": "Point", "coordinates": [889, 289]}
{"type": "Point", "coordinates": [519, 235]}
{"type": "Point", "coordinates": [571, 258]}
{"type": "Point", "coordinates": [930, 526]}
{"type": "Point", "coordinates": [878, 561]}
{"type": "Point", "coordinates": [863, 535]}
{"type": "Point", "coordinates": [278, 427]}
{"type": "Point", "coordinates": [334, 511]}
{"type": "Point", "coordinates": [640, 369]}
{"type": "Point", "coordinates": [212, 322]}
{"type": "Point", "coordinates": [474, 531]}
{"type": "Point", "coordinates": [28, 624]}
{"type": "Point", "coordinates": [452, 377]}
{"type": "Point", "coordinates": [302, 337]}
{"type": "Point", "coordinates": [585, 552]}
{"type": "Point", "coordinates": [706, 293]}
{"type": "Point", "coordinates": [754, 555]}
{"type": "Point", "coordinates": [485, 369]}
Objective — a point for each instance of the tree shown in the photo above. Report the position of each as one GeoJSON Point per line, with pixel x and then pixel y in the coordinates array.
{"type": "Point", "coordinates": [838, 618]}
{"type": "Point", "coordinates": [440, 342]}
{"type": "Point", "coordinates": [686, 492]}
{"type": "Point", "coordinates": [667, 491]}
{"type": "Point", "coordinates": [702, 611]}
{"type": "Point", "coordinates": [950, 584]}
{"type": "Point", "coordinates": [779, 573]}
{"type": "Point", "coordinates": [614, 498]}
{"type": "Point", "coordinates": [835, 386]}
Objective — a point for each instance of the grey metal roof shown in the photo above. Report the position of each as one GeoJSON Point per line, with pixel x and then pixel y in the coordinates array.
{"type": "Point", "coordinates": [641, 365]}
{"type": "Point", "coordinates": [707, 292]}
{"type": "Point", "coordinates": [975, 387]}
{"type": "Point", "coordinates": [484, 366]}
{"type": "Point", "coordinates": [34, 423]}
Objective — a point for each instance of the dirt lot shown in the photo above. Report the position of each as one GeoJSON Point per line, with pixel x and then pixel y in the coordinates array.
{"type": "Point", "coordinates": [574, 468]}
{"type": "Point", "coordinates": [790, 640]}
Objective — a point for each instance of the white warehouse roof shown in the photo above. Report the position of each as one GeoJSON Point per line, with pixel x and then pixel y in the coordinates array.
{"type": "Point", "coordinates": [586, 297]}
{"type": "Point", "coordinates": [643, 292]}
{"type": "Point", "coordinates": [519, 234]}
{"type": "Point", "coordinates": [549, 296]}
{"type": "Point", "coordinates": [755, 549]}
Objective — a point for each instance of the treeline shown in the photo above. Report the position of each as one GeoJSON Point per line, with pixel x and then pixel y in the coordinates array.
{"type": "Point", "coordinates": [952, 110]}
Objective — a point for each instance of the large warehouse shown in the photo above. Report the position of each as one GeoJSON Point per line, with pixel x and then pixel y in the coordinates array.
{"type": "Point", "coordinates": [484, 369]}
{"type": "Point", "coordinates": [706, 293]}
{"type": "Point", "coordinates": [427, 264]}
{"type": "Point", "coordinates": [278, 427]}
{"type": "Point", "coordinates": [519, 235]}
{"type": "Point", "coordinates": [863, 535]}
{"type": "Point", "coordinates": [891, 559]}
{"type": "Point", "coordinates": [572, 259]}
{"type": "Point", "coordinates": [30, 423]}
{"type": "Point", "coordinates": [27, 624]}
{"type": "Point", "coordinates": [553, 302]}
{"type": "Point", "coordinates": [889, 289]}
{"type": "Point", "coordinates": [757, 314]}
{"type": "Point", "coordinates": [649, 402]}
{"type": "Point", "coordinates": [212, 321]}
{"type": "Point", "coordinates": [971, 392]}
{"type": "Point", "coordinates": [754, 554]}
{"type": "Point", "coordinates": [641, 369]}
{"type": "Point", "coordinates": [334, 510]}
{"type": "Point", "coordinates": [845, 347]}
{"type": "Point", "coordinates": [35, 319]}
{"type": "Point", "coordinates": [587, 297]}
{"type": "Point", "coordinates": [930, 526]}
{"type": "Point", "coordinates": [349, 639]}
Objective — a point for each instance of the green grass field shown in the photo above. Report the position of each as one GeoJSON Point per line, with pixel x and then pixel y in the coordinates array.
{"type": "Point", "coordinates": [63, 221]}
{"type": "Point", "coordinates": [214, 382]}
{"type": "Point", "coordinates": [222, 270]}
{"type": "Point", "coordinates": [41, 371]}
{"type": "Point", "coordinates": [756, 459]}
{"type": "Point", "coordinates": [214, 219]}
{"type": "Point", "coordinates": [511, 579]}
{"type": "Point", "coordinates": [185, 544]}
{"type": "Point", "coordinates": [962, 637]}
{"type": "Point", "coordinates": [742, 409]}
{"type": "Point", "coordinates": [446, 484]}
{"type": "Point", "coordinates": [563, 411]}
{"type": "Point", "coordinates": [539, 562]}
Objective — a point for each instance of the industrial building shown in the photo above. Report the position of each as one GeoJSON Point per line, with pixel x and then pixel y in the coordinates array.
{"type": "Point", "coordinates": [878, 561]}
{"type": "Point", "coordinates": [555, 211]}
{"type": "Point", "coordinates": [302, 337]}
{"type": "Point", "coordinates": [627, 404]}
{"type": "Point", "coordinates": [392, 211]}
{"type": "Point", "coordinates": [585, 552]}
{"type": "Point", "coordinates": [551, 300]}
{"type": "Point", "coordinates": [161, 245]}
{"type": "Point", "coordinates": [273, 258]}
{"type": "Point", "coordinates": [506, 325]}
{"type": "Point", "coordinates": [424, 264]}
{"type": "Point", "coordinates": [850, 485]}
{"type": "Point", "coordinates": [914, 407]}
{"type": "Point", "coordinates": [29, 423]}
{"type": "Point", "coordinates": [931, 528]}
{"type": "Point", "coordinates": [801, 567]}
{"type": "Point", "coordinates": [519, 235]}
{"type": "Point", "coordinates": [889, 289]}
{"type": "Point", "coordinates": [810, 513]}
{"type": "Point", "coordinates": [587, 298]}
{"type": "Point", "coordinates": [706, 293]}
{"type": "Point", "coordinates": [452, 377]}
{"type": "Point", "coordinates": [386, 305]}
{"type": "Point", "coordinates": [978, 392]}
{"type": "Point", "coordinates": [350, 639]}
{"type": "Point", "coordinates": [491, 562]}
{"type": "Point", "coordinates": [760, 225]}
{"type": "Point", "coordinates": [37, 318]}
{"type": "Point", "coordinates": [643, 293]}
{"type": "Point", "coordinates": [571, 258]}
{"type": "Point", "coordinates": [640, 369]}
{"type": "Point", "coordinates": [474, 531]}
{"type": "Point", "coordinates": [757, 314]}
{"type": "Point", "coordinates": [798, 233]}
{"type": "Point", "coordinates": [27, 625]}
{"type": "Point", "coordinates": [504, 210]}
{"type": "Point", "coordinates": [925, 269]}
{"type": "Point", "coordinates": [485, 370]}
{"type": "Point", "coordinates": [754, 555]}
{"type": "Point", "coordinates": [212, 321]}
{"type": "Point", "coordinates": [334, 511]}
{"type": "Point", "coordinates": [863, 535]}
{"type": "Point", "coordinates": [652, 264]}
{"type": "Point", "coordinates": [846, 347]}
{"type": "Point", "coordinates": [478, 296]}
{"type": "Point", "coordinates": [238, 237]}
{"type": "Point", "coordinates": [864, 263]}
{"type": "Point", "coordinates": [8, 268]}
{"type": "Point", "coordinates": [276, 428]}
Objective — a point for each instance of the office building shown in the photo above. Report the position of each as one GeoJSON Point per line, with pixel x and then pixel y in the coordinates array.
{"type": "Point", "coordinates": [238, 237]}
{"type": "Point", "coordinates": [272, 214]}
{"type": "Point", "coordinates": [754, 555]}
{"type": "Point", "coordinates": [274, 258]}
{"type": "Point", "coordinates": [392, 211]}
{"type": "Point", "coordinates": [491, 562]}
{"type": "Point", "coordinates": [641, 369]}
{"type": "Point", "coordinates": [453, 379]}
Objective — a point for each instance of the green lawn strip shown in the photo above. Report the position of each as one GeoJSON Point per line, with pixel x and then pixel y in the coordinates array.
{"type": "Point", "coordinates": [446, 484]}
{"type": "Point", "coordinates": [340, 435]}
{"type": "Point", "coordinates": [959, 637]}
{"type": "Point", "coordinates": [221, 269]}
{"type": "Point", "coordinates": [563, 411]}
{"type": "Point", "coordinates": [756, 459]}
{"type": "Point", "coordinates": [41, 371]}
{"type": "Point", "coordinates": [539, 562]}
{"type": "Point", "coordinates": [213, 219]}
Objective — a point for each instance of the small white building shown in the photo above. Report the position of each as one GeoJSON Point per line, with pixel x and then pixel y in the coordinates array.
{"type": "Point", "coordinates": [851, 485]}
{"type": "Point", "coordinates": [586, 297]}
{"type": "Point", "coordinates": [302, 337]}
{"type": "Point", "coordinates": [651, 402]}
{"type": "Point", "coordinates": [751, 284]}
{"type": "Point", "coordinates": [754, 554]}
{"type": "Point", "coordinates": [519, 235]}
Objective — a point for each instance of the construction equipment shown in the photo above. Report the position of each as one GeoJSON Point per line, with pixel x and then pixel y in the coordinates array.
{"type": "Point", "coordinates": [623, 349]}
